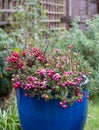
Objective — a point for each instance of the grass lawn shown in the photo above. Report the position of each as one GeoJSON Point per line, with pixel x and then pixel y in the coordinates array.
{"type": "Point", "coordinates": [93, 117]}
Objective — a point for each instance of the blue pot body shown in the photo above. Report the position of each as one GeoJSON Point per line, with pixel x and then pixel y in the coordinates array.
{"type": "Point", "coordinates": [41, 115]}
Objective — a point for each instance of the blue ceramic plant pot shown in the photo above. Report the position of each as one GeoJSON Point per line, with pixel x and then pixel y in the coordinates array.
{"type": "Point", "coordinates": [41, 115]}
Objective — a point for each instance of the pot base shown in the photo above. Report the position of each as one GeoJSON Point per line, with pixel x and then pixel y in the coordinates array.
{"type": "Point", "coordinates": [41, 115]}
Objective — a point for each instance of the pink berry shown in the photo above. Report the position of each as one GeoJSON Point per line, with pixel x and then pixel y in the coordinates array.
{"type": "Point", "coordinates": [64, 106]}
{"type": "Point", "coordinates": [64, 101]}
{"type": "Point", "coordinates": [69, 46]}
{"type": "Point", "coordinates": [46, 96]}
{"type": "Point", "coordinates": [61, 103]}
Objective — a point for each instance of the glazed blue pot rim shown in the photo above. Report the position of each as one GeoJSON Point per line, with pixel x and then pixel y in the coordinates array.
{"type": "Point", "coordinates": [50, 100]}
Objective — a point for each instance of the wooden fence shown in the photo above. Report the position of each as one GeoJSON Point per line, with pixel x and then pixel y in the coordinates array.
{"type": "Point", "coordinates": [55, 10]}
{"type": "Point", "coordinates": [86, 9]}
{"type": "Point", "coordinates": [6, 8]}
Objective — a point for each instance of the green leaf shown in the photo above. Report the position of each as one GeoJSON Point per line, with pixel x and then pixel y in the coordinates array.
{"type": "Point", "coordinates": [18, 50]}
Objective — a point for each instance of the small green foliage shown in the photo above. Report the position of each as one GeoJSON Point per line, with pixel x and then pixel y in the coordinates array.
{"type": "Point", "coordinates": [25, 23]}
{"type": "Point", "coordinates": [6, 44]}
{"type": "Point", "coordinates": [9, 119]}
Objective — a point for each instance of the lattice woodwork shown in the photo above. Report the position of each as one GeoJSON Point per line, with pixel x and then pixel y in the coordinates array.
{"type": "Point", "coordinates": [55, 9]}
{"type": "Point", "coordinates": [6, 8]}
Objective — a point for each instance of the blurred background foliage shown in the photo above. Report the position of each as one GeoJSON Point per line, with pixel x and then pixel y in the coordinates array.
{"type": "Point", "coordinates": [87, 44]}
{"type": "Point", "coordinates": [6, 44]}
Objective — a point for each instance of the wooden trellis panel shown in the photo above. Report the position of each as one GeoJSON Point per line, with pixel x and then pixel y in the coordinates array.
{"type": "Point", "coordinates": [6, 8]}
{"type": "Point", "coordinates": [55, 9]}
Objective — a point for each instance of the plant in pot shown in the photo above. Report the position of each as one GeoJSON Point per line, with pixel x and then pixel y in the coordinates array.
{"type": "Point", "coordinates": [51, 88]}
{"type": "Point", "coordinates": [51, 85]}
